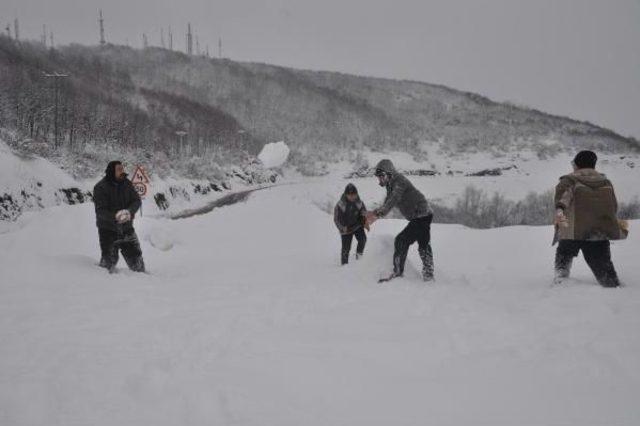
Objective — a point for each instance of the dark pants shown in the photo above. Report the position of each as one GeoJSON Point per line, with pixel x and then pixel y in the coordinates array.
{"type": "Point", "coordinates": [417, 230]}
{"type": "Point", "coordinates": [111, 242]}
{"type": "Point", "coordinates": [597, 254]}
{"type": "Point", "coordinates": [346, 244]}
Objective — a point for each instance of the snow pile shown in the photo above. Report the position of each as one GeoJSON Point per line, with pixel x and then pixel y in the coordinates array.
{"type": "Point", "coordinates": [245, 321]}
{"type": "Point", "coordinates": [28, 182]}
{"type": "Point", "coordinates": [274, 154]}
{"type": "Point", "coordinates": [19, 172]}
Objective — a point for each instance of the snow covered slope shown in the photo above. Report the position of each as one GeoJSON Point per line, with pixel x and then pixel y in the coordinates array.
{"type": "Point", "coordinates": [246, 318]}
{"type": "Point", "coordinates": [29, 182]}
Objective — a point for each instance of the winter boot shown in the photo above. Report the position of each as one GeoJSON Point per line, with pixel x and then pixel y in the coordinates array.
{"type": "Point", "coordinates": [562, 269]}
{"type": "Point", "coordinates": [426, 256]}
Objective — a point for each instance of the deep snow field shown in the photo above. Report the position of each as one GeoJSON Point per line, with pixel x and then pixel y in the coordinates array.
{"type": "Point", "coordinates": [246, 319]}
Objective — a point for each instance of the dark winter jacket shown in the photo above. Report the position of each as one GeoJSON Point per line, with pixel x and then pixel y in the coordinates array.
{"type": "Point", "coordinates": [111, 196]}
{"type": "Point", "coordinates": [349, 216]}
{"type": "Point", "coordinates": [590, 206]}
{"type": "Point", "coordinates": [402, 194]}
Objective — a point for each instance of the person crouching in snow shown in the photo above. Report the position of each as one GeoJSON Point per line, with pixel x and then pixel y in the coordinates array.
{"type": "Point", "coordinates": [349, 217]}
{"type": "Point", "coordinates": [116, 203]}
{"type": "Point", "coordinates": [586, 220]}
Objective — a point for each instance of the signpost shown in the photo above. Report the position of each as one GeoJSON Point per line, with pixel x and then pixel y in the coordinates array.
{"type": "Point", "coordinates": [141, 182]}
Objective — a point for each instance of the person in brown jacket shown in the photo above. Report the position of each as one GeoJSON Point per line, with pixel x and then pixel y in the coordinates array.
{"type": "Point", "coordinates": [586, 220]}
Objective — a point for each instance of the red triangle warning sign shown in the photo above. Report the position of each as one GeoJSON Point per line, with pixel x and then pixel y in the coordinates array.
{"type": "Point", "coordinates": [140, 175]}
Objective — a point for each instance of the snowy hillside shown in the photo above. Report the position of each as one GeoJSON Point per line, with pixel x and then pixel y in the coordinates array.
{"type": "Point", "coordinates": [246, 318]}
{"type": "Point", "coordinates": [184, 113]}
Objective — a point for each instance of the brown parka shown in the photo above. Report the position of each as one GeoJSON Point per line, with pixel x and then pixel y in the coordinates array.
{"type": "Point", "coordinates": [589, 203]}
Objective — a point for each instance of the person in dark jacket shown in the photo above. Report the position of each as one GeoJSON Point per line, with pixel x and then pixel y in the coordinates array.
{"type": "Point", "coordinates": [116, 203]}
{"type": "Point", "coordinates": [414, 207]}
{"type": "Point", "coordinates": [586, 220]}
{"type": "Point", "coordinates": [349, 217]}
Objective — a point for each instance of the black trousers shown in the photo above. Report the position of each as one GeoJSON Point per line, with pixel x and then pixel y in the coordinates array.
{"type": "Point", "coordinates": [597, 254]}
{"type": "Point", "coordinates": [417, 230]}
{"type": "Point", "coordinates": [361, 237]}
{"type": "Point", "coordinates": [126, 241]}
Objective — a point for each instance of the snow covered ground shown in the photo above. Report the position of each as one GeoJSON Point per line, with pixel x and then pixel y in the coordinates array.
{"type": "Point", "coordinates": [246, 318]}
{"type": "Point", "coordinates": [522, 172]}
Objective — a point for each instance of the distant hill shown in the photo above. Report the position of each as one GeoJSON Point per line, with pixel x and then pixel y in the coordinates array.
{"type": "Point", "coordinates": [140, 98]}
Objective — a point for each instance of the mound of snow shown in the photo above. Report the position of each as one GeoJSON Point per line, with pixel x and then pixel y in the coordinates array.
{"type": "Point", "coordinates": [274, 154]}
{"type": "Point", "coordinates": [20, 172]}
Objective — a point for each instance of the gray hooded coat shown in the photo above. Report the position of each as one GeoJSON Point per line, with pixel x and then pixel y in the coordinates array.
{"type": "Point", "coordinates": [402, 194]}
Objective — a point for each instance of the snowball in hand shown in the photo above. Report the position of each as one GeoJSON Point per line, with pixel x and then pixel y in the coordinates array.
{"type": "Point", "coordinates": [274, 154]}
{"type": "Point", "coordinates": [123, 216]}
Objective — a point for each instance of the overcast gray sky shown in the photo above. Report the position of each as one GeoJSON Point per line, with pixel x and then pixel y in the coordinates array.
{"type": "Point", "coordinates": [579, 58]}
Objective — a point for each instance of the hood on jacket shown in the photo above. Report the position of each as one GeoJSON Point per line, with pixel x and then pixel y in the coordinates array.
{"type": "Point", "coordinates": [386, 166]}
{"type": "Point", "coordinates": [110, 171]}
{"type": "Point", "coordinates": [589, 177]}
{"type": "Point", "coordinates": [350, 189]}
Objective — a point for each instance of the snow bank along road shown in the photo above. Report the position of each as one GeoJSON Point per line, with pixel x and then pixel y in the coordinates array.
{"type": "Point", "coordinates": [247, 319]}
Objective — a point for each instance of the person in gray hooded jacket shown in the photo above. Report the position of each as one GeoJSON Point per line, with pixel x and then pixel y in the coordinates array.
{"type": "Point", "coordinates": [414, 207]}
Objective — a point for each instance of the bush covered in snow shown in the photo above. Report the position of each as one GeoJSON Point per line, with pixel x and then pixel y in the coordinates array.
{"type": "Point", "coordinates": [476, 208]}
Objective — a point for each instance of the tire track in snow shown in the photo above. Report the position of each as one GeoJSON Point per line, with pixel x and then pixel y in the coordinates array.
{"type": "Point", "coordinates": [227, 200]}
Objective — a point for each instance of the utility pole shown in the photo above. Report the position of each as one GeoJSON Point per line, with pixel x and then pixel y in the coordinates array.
{"type": "Point", "coordinates": [162, 37]}
{"type": "Point", "coordinates": [197, 46]}
{"type": "Point", "coordinates": [101, 21]}
{"type": "Point", "coordinates": [51, 39]}
{"type": "Point", "coordinates": [189, 40]}
{"type": "Point", "coordinates": [56, 76]}
{"type": "Point", "coordinates": [16, 29]}
{"type": "Point", "coordinates": [43, 37]}
{"type": "Point", "coordinates": [220, 47]}
{"type": "Point", "coordinates": [8, 28]}
{"type": "Point", "coordinates": [170, 39]}
{"type": "Point", "coordinates": [181, 134]}
{"type": "Point", "coordinates": [145, 43]}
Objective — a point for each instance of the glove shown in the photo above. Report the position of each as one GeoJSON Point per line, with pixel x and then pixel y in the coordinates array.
{"type": "Point", "coordinates": [123, 216]}
{"type": "Point", "coordinates": [370, 218]}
